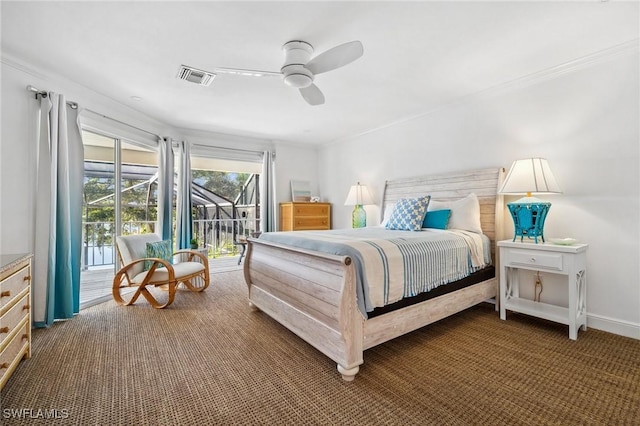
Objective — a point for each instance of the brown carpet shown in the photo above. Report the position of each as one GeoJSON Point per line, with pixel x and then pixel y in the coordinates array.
{"type": "Point", "coordinates": [209, 360]}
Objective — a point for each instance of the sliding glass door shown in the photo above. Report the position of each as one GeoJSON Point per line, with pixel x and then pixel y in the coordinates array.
{"type": "Point", "coordinates": [226, 203]}
{"type": "Point", "coordinates": [120, 198]}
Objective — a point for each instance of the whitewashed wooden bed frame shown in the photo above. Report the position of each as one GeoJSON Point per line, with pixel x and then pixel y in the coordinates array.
{"type": "Point", "coordinates": [313, 294]}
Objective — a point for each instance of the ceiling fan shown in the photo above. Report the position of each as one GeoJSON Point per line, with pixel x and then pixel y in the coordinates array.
{"type": "Point", "coordinates": [299, 70]}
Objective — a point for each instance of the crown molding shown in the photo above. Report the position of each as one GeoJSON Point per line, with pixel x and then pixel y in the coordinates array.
{"type": "Point", "coordinates": [581, 63]}
{"type": "Point", "coordinates": [15, 63]}
{"type": "Point", "coordinates": [593, 59]}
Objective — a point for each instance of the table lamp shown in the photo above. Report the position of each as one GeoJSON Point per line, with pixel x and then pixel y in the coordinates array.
{"type": "Point", "coordinates": [358, 196]}
{"type": "Point", "coordinates": [530, 176]}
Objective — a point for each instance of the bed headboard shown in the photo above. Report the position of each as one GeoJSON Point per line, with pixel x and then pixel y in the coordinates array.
{"type": "Point", "coordinates": [454, 185]}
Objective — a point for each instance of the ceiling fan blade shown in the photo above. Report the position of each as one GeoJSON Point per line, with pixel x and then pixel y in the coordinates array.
{"type": "Point", "coordinates": [335, 58]}
{"type": "Point", "coordinates": [312, 95]}
{"type": "Point", "coordinates": [249, 73]}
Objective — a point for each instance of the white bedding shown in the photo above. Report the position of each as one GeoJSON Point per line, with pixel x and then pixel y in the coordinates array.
{"type": "Point", "coordinates": [391, 265]}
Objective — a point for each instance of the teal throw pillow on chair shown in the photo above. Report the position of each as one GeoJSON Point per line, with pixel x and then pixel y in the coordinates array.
{"type": "Point", "coordinates": [161, 250]}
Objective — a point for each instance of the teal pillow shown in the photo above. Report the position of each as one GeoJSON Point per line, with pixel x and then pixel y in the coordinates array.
{"type": "Point", "coordinates": [437, 219]}
{"type": "Point", "coordinates": [159, 249]}
{"type": "Point", "coordinates": [408, 214]}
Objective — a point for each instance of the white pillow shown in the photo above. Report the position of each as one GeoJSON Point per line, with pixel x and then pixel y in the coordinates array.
{"type": "Point", "coordinates": [388, 211]}
{"type": "Point", "coordinates": [465, 213]}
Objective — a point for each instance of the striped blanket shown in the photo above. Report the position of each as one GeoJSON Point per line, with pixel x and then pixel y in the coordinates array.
{"type": "Point", "coordinates": [391, 265]}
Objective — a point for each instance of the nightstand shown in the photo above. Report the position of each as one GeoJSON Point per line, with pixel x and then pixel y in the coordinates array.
{"type": "Point", "coordinates": [569, 261]}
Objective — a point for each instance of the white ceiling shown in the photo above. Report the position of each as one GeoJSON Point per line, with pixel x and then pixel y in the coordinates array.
{"type": "Point", "coordinates": [418, 56]}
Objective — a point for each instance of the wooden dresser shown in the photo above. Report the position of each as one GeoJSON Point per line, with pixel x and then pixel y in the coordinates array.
{"type": "Point", "coordinates": [15, 312]}
{"type": "Point", "coordinates": [305, 216]}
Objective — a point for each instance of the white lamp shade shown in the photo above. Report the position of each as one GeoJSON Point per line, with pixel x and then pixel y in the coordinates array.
{"type": "Point", "coordinates": [532, 175]}
{"type": "Point", "coordinates": [359, 195]}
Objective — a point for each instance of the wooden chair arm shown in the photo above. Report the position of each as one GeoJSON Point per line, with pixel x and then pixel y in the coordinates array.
{"type": "Point", "coordinates": [141, 286]}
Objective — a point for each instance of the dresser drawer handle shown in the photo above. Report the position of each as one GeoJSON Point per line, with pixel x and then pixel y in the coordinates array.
{"type": "Point", "coordinates": [533, 260]}
{"type": "Point", "coordinates": [4, 330]}
{"type": "Point", "coordinates": [26, 307]}
{"type": "Point", "coordinates": [5, 294]}
{"type": "Point", "coordinates": [25, 336]}
{"type": "Point", "coordinates": [4, 365]}
{"type": "Point", "coordinates": [26, 278]}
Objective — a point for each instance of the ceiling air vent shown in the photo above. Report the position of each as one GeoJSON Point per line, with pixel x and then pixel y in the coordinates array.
{"type": "Point", "coordinates": [195, 75]}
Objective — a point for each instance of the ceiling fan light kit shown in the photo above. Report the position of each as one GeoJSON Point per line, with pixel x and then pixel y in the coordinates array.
{"type": "Point", "coordinates": [299, 70]}
{"type": "Point", "coordinates": [298, 80]}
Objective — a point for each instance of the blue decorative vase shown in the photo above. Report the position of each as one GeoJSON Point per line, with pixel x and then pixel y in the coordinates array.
{"type": "Point", "coordinates": [528, 219]}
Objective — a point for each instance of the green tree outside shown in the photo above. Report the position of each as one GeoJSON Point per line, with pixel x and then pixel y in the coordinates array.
{"type": "Point", "coordinates": [225, 184]}
{"type": "Point", "coordinates": [139, 202]}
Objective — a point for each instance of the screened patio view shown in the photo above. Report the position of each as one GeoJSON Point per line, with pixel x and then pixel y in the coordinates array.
{"type": "Point", "coordinates": [225, 206]}
{"type": "Point", "coordinates": [218, 221]}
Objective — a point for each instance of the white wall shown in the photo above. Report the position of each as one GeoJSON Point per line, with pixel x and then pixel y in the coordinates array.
{"type": "Point", "coordinates": [584, 118]}
{"type": "Point", "coordinates": [295, 163]}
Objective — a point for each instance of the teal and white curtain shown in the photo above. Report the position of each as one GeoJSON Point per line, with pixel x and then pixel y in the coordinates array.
{"type": "Point", "coordinates": [268, 193]}
{"type": "Point", "coordinates": [58, 227]}
{"type": "Point", "coordinates": [184, 219]}
{"type": "Point", "coordinates": [165, 189]}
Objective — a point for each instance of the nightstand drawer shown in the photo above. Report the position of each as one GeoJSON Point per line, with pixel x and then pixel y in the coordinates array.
{"type": "Point", "coordinates": [535, 259]}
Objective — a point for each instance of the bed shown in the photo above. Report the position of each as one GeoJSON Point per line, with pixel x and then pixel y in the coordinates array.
{"type": "Point", "coordinates": [317, 295]}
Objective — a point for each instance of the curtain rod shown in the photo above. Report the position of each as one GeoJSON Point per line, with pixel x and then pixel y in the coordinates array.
{"type": "Point", "coordinates": [228, 149]}
{"type": "Point", "coordinates": [74, 105]}
{"type": "Point", "coordinates": [44, 94]}
{"type": "Point", "coordinates": [122, 122]}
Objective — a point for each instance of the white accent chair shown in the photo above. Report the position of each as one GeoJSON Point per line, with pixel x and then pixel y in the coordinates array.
{"type": "Point", "coordinates": [132, 251]}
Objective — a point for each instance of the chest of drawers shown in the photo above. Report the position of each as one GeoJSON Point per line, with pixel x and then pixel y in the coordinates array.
{"type": "Point", "coordinates": [305, 216]}
{"type": "Point", "coordinates": [15, 313]}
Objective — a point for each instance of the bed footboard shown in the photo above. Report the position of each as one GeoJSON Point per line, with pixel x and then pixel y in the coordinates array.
{"type": "Point", "coordinates": [310, 293]}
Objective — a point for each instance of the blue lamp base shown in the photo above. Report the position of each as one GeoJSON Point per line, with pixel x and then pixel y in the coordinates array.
{"type": "Point", "coordinates": [528, 219]}
{"type": "Point", "coordinates": [359, 217]}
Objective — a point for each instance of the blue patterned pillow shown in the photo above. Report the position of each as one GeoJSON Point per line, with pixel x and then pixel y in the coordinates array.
{"type": "Point", "coordinates": [437, 219]}
{"type": "Point", "coordinates": [159, 249]}
{"type": "Point", "coordinates": [408, 214]}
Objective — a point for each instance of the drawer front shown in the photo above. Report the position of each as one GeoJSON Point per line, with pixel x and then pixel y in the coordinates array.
{"type": "Point", "coordinates": [311, 209]}
{"type": "Point", "coordinates": [535, 259]}
{"type": "Point", "coordinates": [11, 352]}
{"type": "Point", "coordinates": [12, 318]}
{"type": "Point", "coordinates": [12, 286]}
{"type": "Point", "coordinates": [300, 223]}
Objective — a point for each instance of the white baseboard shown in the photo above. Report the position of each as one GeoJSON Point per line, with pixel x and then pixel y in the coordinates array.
{"type": "Point", "coordinates": [615, 326]}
